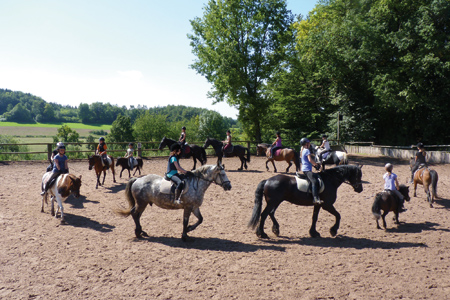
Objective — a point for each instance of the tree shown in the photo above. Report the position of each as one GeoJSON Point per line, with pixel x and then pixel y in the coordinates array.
{"type": "Point", "coordinates": [121, 130]}
{"type": "Point", "coordinates": [150, 127]}
{"type": "Point", "coordinates": [84, 113]}
{"type": "Point", "coordinates": [238, 44]}
{"type": "Point", "coordinates": [212, 125]}
{"type": "Point", "coordinates": [67, 135]}
{"type": "Point", "coordinates": [19, 114]}
{"type": "Point", "coordinates": [48, 114]}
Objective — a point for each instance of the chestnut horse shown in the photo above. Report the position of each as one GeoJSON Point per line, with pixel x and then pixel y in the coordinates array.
{"type": "Point", "coordinates": [387, 202]}
{"type": "Point", "coordinates": [64, 186]}
{"type": "Point", "coordinates": [95, 161]}
{"type": "Point", "coordinates": [426, 177]}
{"type": "Point", "coordinates": [285, 154]}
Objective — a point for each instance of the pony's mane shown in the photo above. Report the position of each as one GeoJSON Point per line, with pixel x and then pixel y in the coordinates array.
{"type": "Point", "coordinates": [203, 169]}
{"type": "Point", "coordinates": [342, 171]}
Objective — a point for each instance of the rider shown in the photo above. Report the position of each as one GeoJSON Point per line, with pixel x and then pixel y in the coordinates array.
{"type": "Point", "coordinates": [307, 163]}
{"type": "Point", "coordinates": [129, 155]}
{"type": "Point", "coordinates": [391, 184]}
{"type": "Point", "coordinates": [326, 146]}
{"type": "Point", "coordinates": [54, 152]}
{"type": "Point", "coordinates": [420, 158]}
{"type": "Point", "coordinates": [227, 142]}
{"type": "Point", "coordinates": [173, 167]}
{"type": "Point", "coordinates": [60, 166]}
{"type": "Point", "coordinates": [276, 145]}
{"type": "Point", "coordinates": [101, 150]}
{"type": "Point", "coordinates": [182, 139]}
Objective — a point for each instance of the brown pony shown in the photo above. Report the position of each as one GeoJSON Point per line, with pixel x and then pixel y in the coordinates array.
{"type": "Point", "coordinates": [64, 186]}
{"type": "Point", "coordinates": [285, 154]}
{"type": "Point", "coordinates": [426, 177]}
{"type": "Point", "coordinates": [96, 162]}
{"type": "Point", "coordinates": [387, 202]}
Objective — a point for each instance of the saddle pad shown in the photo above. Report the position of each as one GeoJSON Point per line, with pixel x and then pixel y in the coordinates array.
{"type": "Point", "coordinates": [303, 185]}
{"type": "Point", "coordinates": [166, 186]}
{"type": "Point", "coordinates": [187, 149]}
{"type": "Point", "coordinates": [278, 152]}
{"type": "Point", "coordinates": [135, 162]}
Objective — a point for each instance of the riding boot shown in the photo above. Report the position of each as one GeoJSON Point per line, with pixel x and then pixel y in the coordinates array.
{"type": "Point", "coordinates": [317, 201]}
{"type": "Point", "coordinates": [177, 199]}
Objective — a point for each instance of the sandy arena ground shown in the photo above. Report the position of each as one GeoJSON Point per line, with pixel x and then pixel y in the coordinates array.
{"type": "Point", "coordinates": [96, 256]}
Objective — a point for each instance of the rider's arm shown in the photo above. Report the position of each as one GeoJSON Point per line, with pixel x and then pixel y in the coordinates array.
{"type": "Point", "coordinates": [179, 168]}
{"type": "Point", "coordinates": [396, 184]}
{"type": "Point", "coordinates": [311, 160]}
{"type": "Point", "coordinates": [66, 164]}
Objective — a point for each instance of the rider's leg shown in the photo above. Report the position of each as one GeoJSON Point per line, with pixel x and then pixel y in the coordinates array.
{"type": "Point", "coordinates": [50, 181]}
{"type": "Point", "coordinates": [413, 170]}
{"type": "Point", "coordinates": [314, 187]}
{"type": "Point", "coordinates": [401, 200]}
{"type": "Point", "coordinates": [177, 180]}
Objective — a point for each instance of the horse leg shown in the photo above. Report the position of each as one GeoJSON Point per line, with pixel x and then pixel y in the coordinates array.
{"type": "Point", "coordinates": [274, 168]}
{"type": "Point", "coordinates": [52, 211]}
{"type": "Point", "coordinates": [396, 221]}
{"type": "Point", "coordinates": [429, 197]}
{"type": "Point", "coordinates": [242, 163]}
{"type": "Point", "coordinates": [290, 164]}
{"type": "Point", "coordinates": [415, 188]}
{"type": "Point", "coordinates": [104, 175]}
{"type": "Point", "coordinates": [260, 230]}
{"type": "Point", "coordinates": [60, 207]}
{"type": "Point", "coordinates": [120, 176]}
{"type": "Point", "coordinates": [195, 163]}
{"type": "Point", "coordinates": [186, 215]}
{"type": "Point", "coordinates": [275, 226]}
{"type": "Point", "coordinates": [334, 212]}
{"type": "Point", "coordinates": [383, 216]}
{"type": "Point", "coordinates": [199, 216]}
{"type": "Point", "coordinates": [98, 179]}
{"type": "Point", "coordinates": [267, 167]}
{"type": "Point", "coordinates": [312, 231]}
{"type": "Point", "coordinates": [136, 213]}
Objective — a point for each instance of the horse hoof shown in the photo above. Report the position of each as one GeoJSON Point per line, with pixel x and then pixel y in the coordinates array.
{"type": "Point", "coordinates": [184, 237]}
{"type": "Point", "coordinates": [314, 234]}
{"type": "Point", "coordinates": [63, 222]}
{"type": "Point", "coordinates": [431, 205]}
{"type": "Point", "coordinates": [333, 232]}
{"type": "Point", "coordinates": [276, 231]}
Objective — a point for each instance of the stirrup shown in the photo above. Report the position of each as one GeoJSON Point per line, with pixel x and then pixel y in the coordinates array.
{"type": "Point", "coordinates": [317, 201]}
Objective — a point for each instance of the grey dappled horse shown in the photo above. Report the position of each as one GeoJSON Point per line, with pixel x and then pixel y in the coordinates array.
{"type": "Point", "coordinates": [146, 190]}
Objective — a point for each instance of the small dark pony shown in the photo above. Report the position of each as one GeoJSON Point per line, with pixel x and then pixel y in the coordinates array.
{"type": "Point", "coordinates": [387, 201]}
{"type": "Point", "coordinates": [428, 178]}
{"type": "Point", "coordinates": [237, 150]}
{"type": "Point", "coordinates": [281, 188]}
{"type": "Point", "coordinates": [123, 162]}
{"type": "Point", "coordinates": [195, 151]}
{"type": "Point", "coordinates": [285, 154]}
{"type": "Point", "coordinates": [95, 161]}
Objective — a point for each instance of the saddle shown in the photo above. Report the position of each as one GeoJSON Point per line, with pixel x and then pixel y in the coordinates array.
{"type": "Point", "coordinates": [108, 159]}
{"type": "Point", "coordinates": [304, 185]}
{"type": "Point", "coordinates": [135, 162]}
{"type": "Point", "coordinates": [229, 150]}
{"type": "Point", "coordinates": [168, 187]}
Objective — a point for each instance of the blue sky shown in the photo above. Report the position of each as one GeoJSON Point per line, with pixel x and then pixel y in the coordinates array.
{"type": "Point", "coordinates": [121, 52]}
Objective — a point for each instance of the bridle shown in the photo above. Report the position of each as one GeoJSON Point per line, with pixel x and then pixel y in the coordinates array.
{"type": "Point", "coordinates": [222, 182]}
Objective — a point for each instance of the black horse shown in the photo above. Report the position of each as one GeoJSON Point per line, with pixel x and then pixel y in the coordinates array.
{"type": "Point", "coordinates": [123, 162]}
{"type": "Point", "coordinates": [282, 187]}
{"type": "Point", "coordinates": [196, 152]}
{"type": "Point", "coordinates": [387, 202]}
{"type": "Point", "coordinates": [237, 150]}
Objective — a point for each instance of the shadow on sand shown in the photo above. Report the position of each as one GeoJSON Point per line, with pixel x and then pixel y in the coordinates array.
{"type": "Point", "coordinates": [83, 222]}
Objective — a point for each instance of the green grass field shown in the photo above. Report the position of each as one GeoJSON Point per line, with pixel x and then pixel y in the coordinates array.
{"type": "Point", "coordinates": [57, 125]}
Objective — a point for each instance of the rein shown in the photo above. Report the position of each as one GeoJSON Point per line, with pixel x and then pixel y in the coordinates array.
{"type": "Point", "coordinates": [222, 182]}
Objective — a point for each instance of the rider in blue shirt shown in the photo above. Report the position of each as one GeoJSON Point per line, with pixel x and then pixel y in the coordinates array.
{"type": "Point", "coordinates": [59, 167]}
{"type": "Point", "coordinates": [173, 167]}
{"type": "Point", "coordinates": [307, 163]}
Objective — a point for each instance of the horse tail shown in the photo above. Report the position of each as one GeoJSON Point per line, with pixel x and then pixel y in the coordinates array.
{"type": "Point", "coordinates": [248, 154]}
{"type": "Point", "coordinates": [203, 155]}
{"type": "Point", "coordinates": [344, 158]}
{"type": "Point", "coordinates": [130, 198]}
{"type": "Point", "coordinates": [258, 205]}
{"type": "Point", "coordinates": [296, 160]}
{"type": "Point", "coordinates": [376, 207]}
{"type": "Point", "coordinates": [434, 181]}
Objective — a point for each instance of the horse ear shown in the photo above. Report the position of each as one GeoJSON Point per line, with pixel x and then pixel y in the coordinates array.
{"type": "Point", "coordinates": [80, 177]}
{"type": "Point", "coordinates": [361, 166]}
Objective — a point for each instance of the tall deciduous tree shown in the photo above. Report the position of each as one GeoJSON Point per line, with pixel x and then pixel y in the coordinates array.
{"type": "Point", "coordinates": [238, 44]}
{"type": "Point", "coordinates": [121, 130]}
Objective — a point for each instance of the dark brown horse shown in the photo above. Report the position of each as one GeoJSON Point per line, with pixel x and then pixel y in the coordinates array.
{"type": "Point", "coordinates": [123, 162]}
{"type": "Point", "coordinates": [95, 161]}
{"type": "Point", "coordinates": [236, 150]}
{"type": "Point", "coordinates": [428, 178]}
{"type": "Point", "coordinates": [387, 202]}
{"type": "Point", "coordinates": [188, 151]}
{"type": "Point", "coordinates": [285, 154]}
{"type": "Point", "coordinates": [281, 188]}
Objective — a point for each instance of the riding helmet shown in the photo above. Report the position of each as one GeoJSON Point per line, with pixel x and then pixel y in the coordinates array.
{"type": "Point", "coordinates": [304, 141]}
{"type": "Point", "coordinates": [324, 136]}
{"type": "Point", "coordinates": [228, 131]}
{"type": "Point", "coordinates": [175, 146]}
{"type": "Point", "coordinates": [130, 144]}
{"type": "Point", "coordinates": [389, 167]}
{"type": "Point", "coordinates": [420, 145]}
{"type": "Point", "coordinates": [101, 139]}
{"type": "Point", "coordinates": [61, 147]}
{"type": "Point", "coordinates": [184, 127]}
{"type": "Point", "coordinates": [59, 144]}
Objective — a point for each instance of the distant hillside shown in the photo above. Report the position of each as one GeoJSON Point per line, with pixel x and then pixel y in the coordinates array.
{"type": "Point", "coordinates": [26, 108]}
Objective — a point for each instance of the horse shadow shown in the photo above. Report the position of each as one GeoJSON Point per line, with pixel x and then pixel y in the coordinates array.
{"type": "Point", "coordinates": [78, 203]}
{"type": "Point", "coordinates": [443, 203]}
{"type": "Point", "coordinates": [342, 241]}
{"type": "Point", "coordinates": [212, 244]}
{"type": "Point", "coordinates": [416, 227]}
{"type": "Point", "coordinates": [246, 171]}
{"type": "Point", "coordinates": [116, 188]}
{"type": "Point", "coordinates": [84, 222]}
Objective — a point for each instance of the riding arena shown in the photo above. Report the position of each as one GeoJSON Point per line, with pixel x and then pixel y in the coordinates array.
{"type": "Point", "coordinates": [96, 254]}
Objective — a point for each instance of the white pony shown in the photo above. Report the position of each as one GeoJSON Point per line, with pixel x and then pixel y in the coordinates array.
{"type": "Point", "coordinates": [64, 186]}
{"type": "Point", "coordinates": [331, 158]}
{"type": "Point", "coordinates": [153, 189]}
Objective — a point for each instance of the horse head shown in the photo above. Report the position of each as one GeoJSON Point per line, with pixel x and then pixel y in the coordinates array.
{"type": "Point", "coordinates": [75, 185]}
{"type": "Point", "coordinates": [163, 143]}
{"type": "Point", "coordinates": [91, 162]}
{"type": "Point", "coordinates": [404, 190]}
{"type": "Point", "coordinates": [221, 178]}
{"type": "Point", "coordinates": [207, 143]}
{"type": "Point", "coordinates": [355, 178]}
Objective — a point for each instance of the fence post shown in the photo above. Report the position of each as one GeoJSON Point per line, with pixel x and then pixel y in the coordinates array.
{"type": "Point", "coordinates": [139, 150]}
{"type": "Point", "coordinates": [49, 152]}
